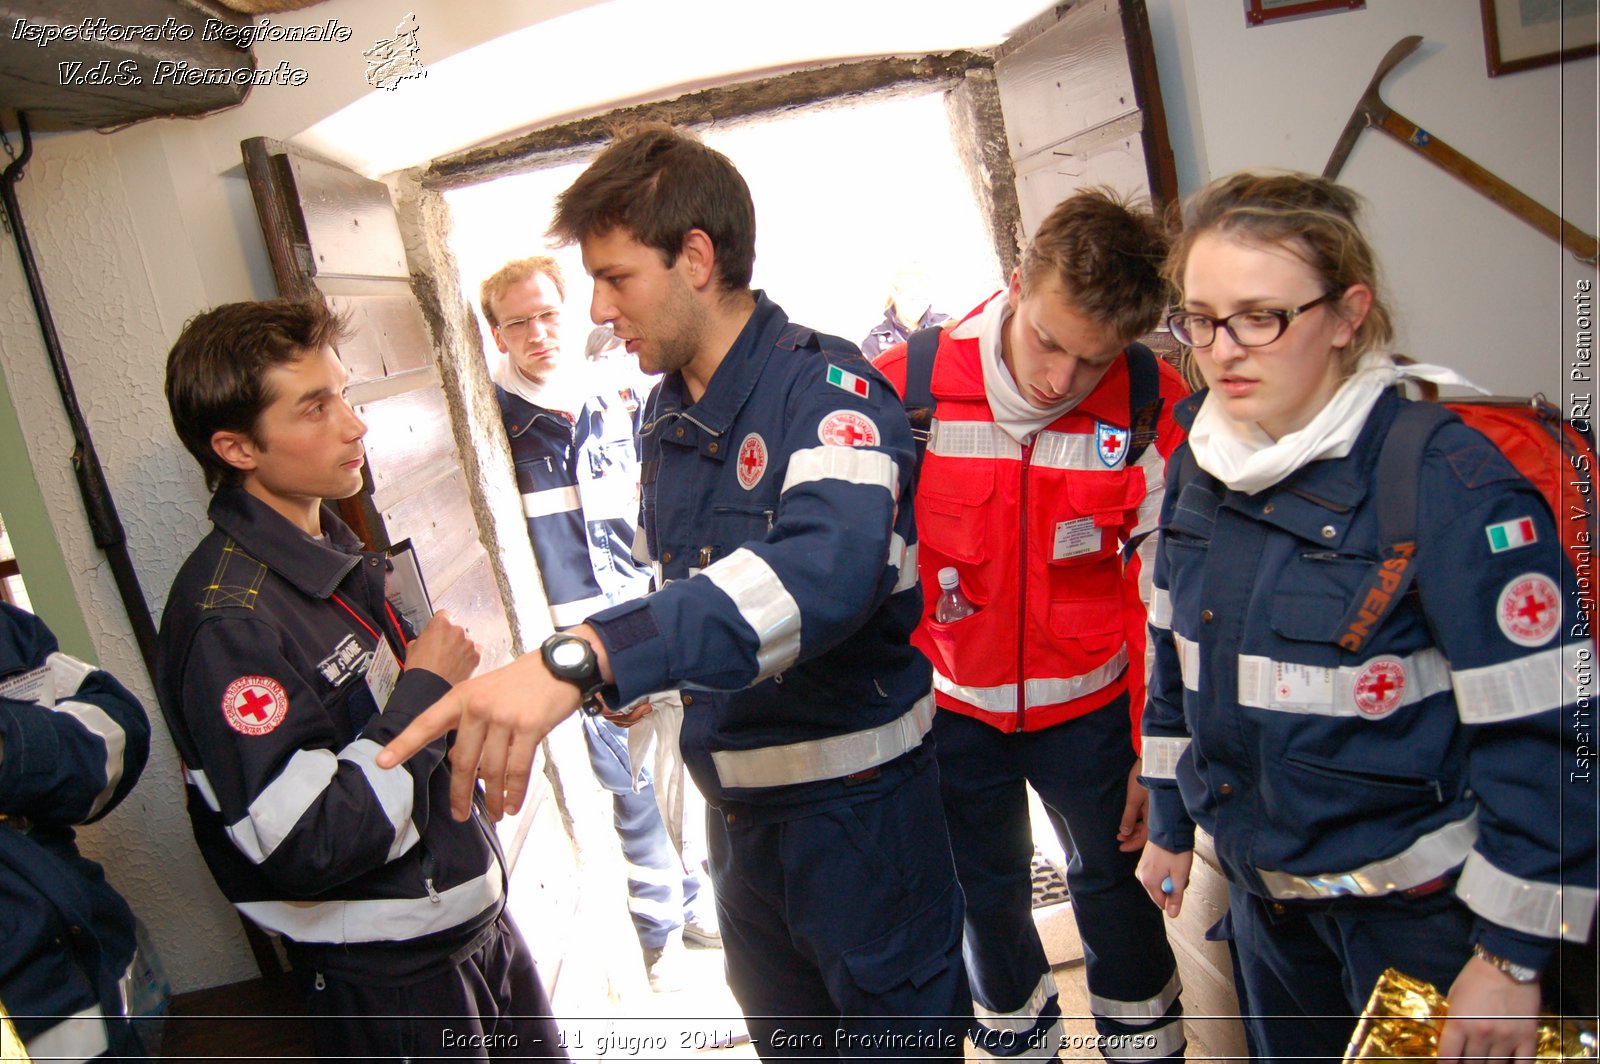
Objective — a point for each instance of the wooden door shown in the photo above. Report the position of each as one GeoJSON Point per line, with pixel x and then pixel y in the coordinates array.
{"type": "Point", "coordinates": [1082, 106]}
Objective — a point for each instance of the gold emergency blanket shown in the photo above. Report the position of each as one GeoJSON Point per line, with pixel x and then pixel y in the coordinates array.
{"type": "Point", "coordinates": [12, 1050]}
{"type": "Point", "coordinates": [1404, 1016]}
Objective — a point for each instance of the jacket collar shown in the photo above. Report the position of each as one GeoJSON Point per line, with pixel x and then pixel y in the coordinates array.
{"type": "Point", "coordinates": [961, 378]}
{"type": "Point", "coordinates": [736, 376]}
{"type": "Point", "coordinates": [271, 539]}
{"type": "Point", "coordinates": [1316, 501]}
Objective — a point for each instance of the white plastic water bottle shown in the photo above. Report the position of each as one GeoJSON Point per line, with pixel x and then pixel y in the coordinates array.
{"type": "Point", "coordinates": [952, 604]}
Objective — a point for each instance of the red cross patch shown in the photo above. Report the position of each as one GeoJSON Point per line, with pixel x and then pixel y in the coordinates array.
{"type": "Point", "coordinates": [1529, 610]}
{"type": "Point", "coordinates": [254, 705]}
{"type": "Point", "coordinates": [1379, 687]}
{"type": "Point", "coordinates": [846, 428]}
{"type": "Point", "coordinates": [1110, 443]}
{"type": "Point", "coordinates": [752, 462]}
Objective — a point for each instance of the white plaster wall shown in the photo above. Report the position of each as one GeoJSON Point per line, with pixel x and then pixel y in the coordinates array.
{"type": "Point", "coordinates": [1473, 287]}
{"type": "Point", "coordinates": [134, 233]}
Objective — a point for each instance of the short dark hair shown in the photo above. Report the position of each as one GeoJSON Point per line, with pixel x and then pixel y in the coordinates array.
{"type": "Point", "coordinates": [1107, 256]}
{"type": "Point", "coordinates": [216, 372]}
{"type": "Point", "coordinates": [658, 183]}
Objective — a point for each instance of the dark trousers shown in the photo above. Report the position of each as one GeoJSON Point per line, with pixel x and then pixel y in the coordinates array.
{"type": "Point", "coordinates": [662, 890]}
{"type": "Point", "coordinates": [1080, 769]}
{"type": "Point", "coordinates": [841, 929]}
{"type": "Point", "coordinates": [491, 1006]}
{"type": "Point", "coordinates": [1306, 969]}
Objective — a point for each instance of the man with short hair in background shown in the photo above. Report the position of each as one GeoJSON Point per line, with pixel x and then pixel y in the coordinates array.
{"type": "Point", "coordinates": [573, 446]}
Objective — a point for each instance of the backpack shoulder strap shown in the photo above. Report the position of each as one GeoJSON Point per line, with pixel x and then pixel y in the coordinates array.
{"type": "Point", "coordinates": [1144, 400]}
{"type": "Point", "coordinates": [1398, 489]}
{"type": "Point", "coordinates": [921, 348]}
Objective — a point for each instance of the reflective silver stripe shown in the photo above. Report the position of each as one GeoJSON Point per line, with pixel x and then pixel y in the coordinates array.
{"type": "Point", "coordinates": [1020, 1024]}
{"type": "Point", "coordinates": [1137, 1013]}
{"type": "Point", "coordinates": [903, 560]}
{"type": "Point", "coordinates": [1070, 450]}
{"type": "Point", "coordinates": [1522, 687]}
{"type": "Point", "coordinates": [68, 673]}
{"type": "Point", "coordinates": [281, 803]}
{"type": "Point", "coordinates": [825, 759]}
{"type": "Point", "coordinates": [377, 919]}
{"type": "Point", "coordinates": [971, 439]}
{"type": "Point", "coordinates": [641, 547]}
{"type": "Point", "coordinates": [1161, 754]}
{"type": "Point", "coordinates": [1048, 691]}
{"type": "Point", "coordinates": [203, 785]}
{"type": "Point", "coordinates": [853, 465]}
{"type": "Point", "coordinates": [764, 604]}
{"type": "Point", "coordinates": [1542, 909]}
{"type": "Point", "coordinates": [99, 722]}
{"type": "Point", "coordinates": [393, 787]}
{"type": "Point", "coordinates": [79, 1037]}
{"type": "Point", "coordinates": [1160, 608]}
{"type": "Point", "coordinates": [668, 911]}
{"type": "Point", "coordinates": [567, 614]}
{"type": "Point", "coordinates": [1169, 1040]}
{"type": "Point", "coordinates": [1188, 660]}
{"type": "Point", "coordinates": [1428, 858]}
{"type": "Point", "coordinates": [1022, 1018]}
{"type": "Point", "coordinates": [1427, 673]}
{"type": "Point", "coordinates": [551, 501]}
{"type": "Point", "coordinates": [1155, 487]}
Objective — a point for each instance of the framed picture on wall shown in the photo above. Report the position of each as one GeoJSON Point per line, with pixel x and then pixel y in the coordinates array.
{"type": "Point", "coordinates": [1261, 12]}
{"type": "Point", "coordinates": [1523, 34]}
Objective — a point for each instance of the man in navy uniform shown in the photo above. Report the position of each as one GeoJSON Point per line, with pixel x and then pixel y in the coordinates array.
{"type": "Point", "coordinates": [72, 744]}
{"type": "Point", "coordinates": [777, 505]}
{"type": "Point", "coordinates": [282, 670]}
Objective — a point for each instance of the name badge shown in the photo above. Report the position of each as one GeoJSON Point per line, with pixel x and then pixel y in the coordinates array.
{"type": "Point", "coordinates": [1075, 537]}
{"type": "Point", "coordinates": [383, 674]}
{"type": "Point", "coordinates": [36, 685]}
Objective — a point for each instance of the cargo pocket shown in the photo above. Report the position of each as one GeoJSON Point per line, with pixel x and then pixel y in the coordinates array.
{"type": "Point", "coordinates": [953, 510]}
{"type": "Point", "coordinates": [889, 974]}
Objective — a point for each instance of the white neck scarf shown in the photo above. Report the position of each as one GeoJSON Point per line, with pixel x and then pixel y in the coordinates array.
{"type": "Point", "coordinates": [1246, 459]}
{"type": "Point", "coordinates": [1018, 418]}
{"type": "Point", "coordinates": [564, 390]}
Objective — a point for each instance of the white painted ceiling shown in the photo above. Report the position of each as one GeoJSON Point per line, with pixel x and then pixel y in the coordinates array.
{"type": "Point", "coordinates": [619, 52]}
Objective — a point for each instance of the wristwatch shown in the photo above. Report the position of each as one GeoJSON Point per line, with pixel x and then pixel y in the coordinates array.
{"type": "Point", "coordinates": [572, 659]}
{"type": "Point", "coordinates": [1517, 973]}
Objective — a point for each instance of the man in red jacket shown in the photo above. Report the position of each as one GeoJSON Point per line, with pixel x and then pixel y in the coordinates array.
{"type": "Point", "coordinates": [1044, 470]}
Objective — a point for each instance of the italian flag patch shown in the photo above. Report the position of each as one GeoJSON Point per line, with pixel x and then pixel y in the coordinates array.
{"type": "Point", "coordinates": [848, 381]}
{"type": "Point", "coordinates": [1509, 535]}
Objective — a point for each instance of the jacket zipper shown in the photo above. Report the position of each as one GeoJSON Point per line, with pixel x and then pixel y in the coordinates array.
{"type": "Point", "coordinates": [1022, 591]}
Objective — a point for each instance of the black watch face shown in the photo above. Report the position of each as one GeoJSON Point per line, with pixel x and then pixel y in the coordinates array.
{"type": "Point", "coordinates": [569, 655]}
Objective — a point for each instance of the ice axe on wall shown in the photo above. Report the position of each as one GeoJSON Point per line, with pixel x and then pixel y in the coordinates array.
{"type": "Point", "coordinates": [1372, 111]}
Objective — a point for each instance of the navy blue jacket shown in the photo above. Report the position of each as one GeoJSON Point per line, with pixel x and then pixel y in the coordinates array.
{"type": "Point", "coordinates": [1449, 736]}
{"type": "Point", "coordinates": [66, 937]}
{"type": "Point", "coordinates": [778, 509]}
{"type": "Point", "coordinates": [261, 666]}
{"type": "Point", "coordinates": [579, 482]}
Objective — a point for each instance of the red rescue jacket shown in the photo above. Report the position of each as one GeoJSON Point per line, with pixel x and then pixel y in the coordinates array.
{"type": "Point", "coordinates": [1036, 533]}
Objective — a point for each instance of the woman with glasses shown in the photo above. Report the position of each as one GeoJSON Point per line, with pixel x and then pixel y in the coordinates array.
{"type": "Point", "coordinates": [1374, 738]}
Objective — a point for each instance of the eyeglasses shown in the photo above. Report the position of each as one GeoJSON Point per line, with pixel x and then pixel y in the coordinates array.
{"type": "Point", "coordinates": [1249, 328]}
{"type": "Point", "coordinates": [517, 328]}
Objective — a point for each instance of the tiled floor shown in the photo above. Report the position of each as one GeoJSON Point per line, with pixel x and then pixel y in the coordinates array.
{"type": "Point", "coordinates": [700, 1022]}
